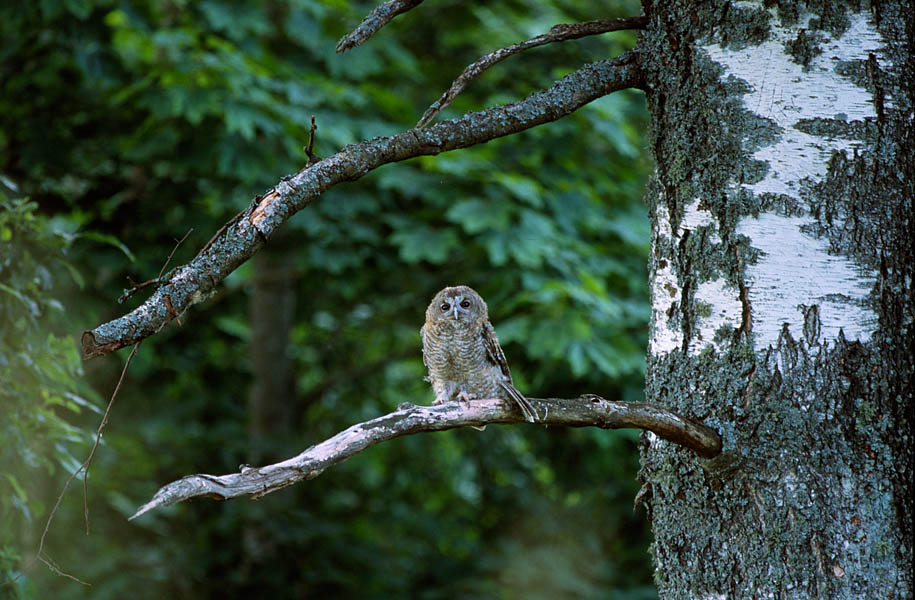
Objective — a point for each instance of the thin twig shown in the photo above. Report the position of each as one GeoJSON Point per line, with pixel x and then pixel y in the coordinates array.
{"type": "Point", "coordinates": [136, 287]}
{"type": "Point", "coordinates": [98, 434]}
{"type": "Point", "coordinates": [588, 410]}
{"type": "Point", "coordinates": [84, 468]}
{"type": "Point", "coordinates": [53, 566]}
{"type": "Point", "coordinates": [172, 253]}
{"type": "Point", "coordinates": [558, 33]}
{"type": "Point", "coordinates": [375, 20]}
{"type": "Point", "coordinates": [309, 149]}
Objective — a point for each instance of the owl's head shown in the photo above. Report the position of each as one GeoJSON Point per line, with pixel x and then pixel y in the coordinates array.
{"type": "Point", "coordinates": [457, 304]}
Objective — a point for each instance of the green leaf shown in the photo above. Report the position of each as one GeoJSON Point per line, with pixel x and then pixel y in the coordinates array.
{"type": "Point", "coordinates": [30, 304]}
{"type": "Point", "coordinates": [17, 489]}
{"type": "Point", "coordinates": [577, 360]}
{"type": "Point", "coordinates": [240, 328]}
{"type": "Point", "coordinates": [425, 244]}
{"type": "Point", "coordinates": [75, 275]}
{"type": "Point", "coordinates": [108, 239]}
{"type": "Point", "coordinates": [521, 187]}
{"type": "Point", "coordinates": [476, 215]}
{"type": "Point", "coordinates": [82, 402]}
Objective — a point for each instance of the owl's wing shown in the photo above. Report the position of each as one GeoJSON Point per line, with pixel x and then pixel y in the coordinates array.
{"type": "Point", "coordinates": [495, 355]}
{"type": "Point", "coordinates": [423, 334]}
{"type": "Point", "coordinates": [494, 350]}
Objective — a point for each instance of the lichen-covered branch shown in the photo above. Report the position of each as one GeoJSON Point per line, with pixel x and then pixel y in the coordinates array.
{"type": "Point", "coordinates": [586, 411]}
{"type": "Point", "coordinates": [557, 33]}
{"type": "Point", "coordinates": [374, 21]}
{"type": "Point", "coordinates": [245, 234]}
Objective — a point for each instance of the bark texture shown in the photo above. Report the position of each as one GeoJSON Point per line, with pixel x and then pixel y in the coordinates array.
{"type": "Point", "coordinates": [781, 273]}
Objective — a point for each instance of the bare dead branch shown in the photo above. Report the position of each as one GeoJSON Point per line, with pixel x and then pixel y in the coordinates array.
{"type": "Point", "coordinates": [557, 33]}
{"type": "Point", "coordinates": [375, 20]}
{"type": "Point", "coordinates": [408, 419]}
{"type": "Point", "coordinates": [248, 231]}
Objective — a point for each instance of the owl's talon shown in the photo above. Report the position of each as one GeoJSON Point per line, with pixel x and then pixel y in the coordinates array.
{"type": "Point", "coordinates": [466, 397]}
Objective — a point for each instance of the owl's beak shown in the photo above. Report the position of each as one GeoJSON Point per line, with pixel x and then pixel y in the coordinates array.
{"type": "Point", "coordinates": [454, 311]}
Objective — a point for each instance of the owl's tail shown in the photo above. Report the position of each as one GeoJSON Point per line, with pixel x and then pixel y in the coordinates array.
{"type": "Point", "coordinates": [529, 413]}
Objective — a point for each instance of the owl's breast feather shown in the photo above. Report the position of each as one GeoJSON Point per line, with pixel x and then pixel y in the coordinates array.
{"type": "Point", "coordinates": [453, 349]}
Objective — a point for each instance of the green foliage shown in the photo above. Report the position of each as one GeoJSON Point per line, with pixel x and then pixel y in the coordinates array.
{"type": "Point", "coordinates": [40, 371]}
{"type": "Point", "coordinates": [151, 117]}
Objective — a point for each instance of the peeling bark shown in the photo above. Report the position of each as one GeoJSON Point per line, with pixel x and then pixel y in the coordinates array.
{"type": "Point", "coordinates": [781, 262]}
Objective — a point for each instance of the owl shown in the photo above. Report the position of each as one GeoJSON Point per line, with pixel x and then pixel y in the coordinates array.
{"type": "Point", "coordinates": [462, 353]}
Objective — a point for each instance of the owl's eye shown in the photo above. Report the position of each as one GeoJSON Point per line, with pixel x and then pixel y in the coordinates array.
{"type": "Point", "coordinates": [465, 304]}
{"type": "Point", "coordinates": [445, 307]}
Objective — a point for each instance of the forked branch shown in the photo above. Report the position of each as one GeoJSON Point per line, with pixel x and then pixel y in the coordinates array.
{"type": "Point", "coordinates": [374, 21]}
{"type": "Point", "coordinates": [246, 233]}
{"type": "Point", "coordinates": [587, 411]}
{"type": "Point", "coordinates": [557, 33]}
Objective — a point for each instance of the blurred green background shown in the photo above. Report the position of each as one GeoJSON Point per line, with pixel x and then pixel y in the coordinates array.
{"type": "Point", "coordinates": [123, 125]}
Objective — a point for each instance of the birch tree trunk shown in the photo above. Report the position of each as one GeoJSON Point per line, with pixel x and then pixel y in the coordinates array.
{"type": "Point", "coordinates": [781, 279]}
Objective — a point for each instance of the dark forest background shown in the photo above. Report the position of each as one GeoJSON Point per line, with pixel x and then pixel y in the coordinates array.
{"type": "Point", "coordinates": [124, 125]}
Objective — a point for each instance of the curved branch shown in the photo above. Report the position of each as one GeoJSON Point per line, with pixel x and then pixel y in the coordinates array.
{"type": "Point", "coordinates": [246, 233]}
{"type": "Point", "coordinates": [408, 419]}
{"type": "Point", "coordinates": [557, 33]}
{"type": "Point", "coordinates": [374, 21]}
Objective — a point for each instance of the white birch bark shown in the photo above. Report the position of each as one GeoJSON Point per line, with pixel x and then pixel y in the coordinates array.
{"type": "Point", "coordinates": [782, 312]}
{"type": "Point", "coordinates": [795, 269]}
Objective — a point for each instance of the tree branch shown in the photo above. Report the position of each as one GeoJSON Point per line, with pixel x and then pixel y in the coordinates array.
{"type": "Point", "coordinates": [557, 33]}
{"type": "Point", "coordinates": [375, 20]}
{"type": "Point", "coordinates": [247, 233]}
{"type": "Point", "coordinates": [409, 419]}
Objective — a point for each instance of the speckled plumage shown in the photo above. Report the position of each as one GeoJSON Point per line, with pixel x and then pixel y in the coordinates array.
{"type": "Point", "coordinates": [462, 353]}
